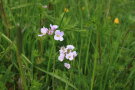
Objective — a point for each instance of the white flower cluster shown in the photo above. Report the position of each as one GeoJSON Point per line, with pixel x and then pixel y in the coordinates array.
{"type": "Point", "coordinates": [58, 34]}
{"type": "Point", "coordinates": [67, 53]}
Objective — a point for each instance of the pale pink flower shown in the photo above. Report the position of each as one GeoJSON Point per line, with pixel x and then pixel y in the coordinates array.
{"type": "Point", "coordinates": [61, 57]}
{"type": "Point", "coordinates": [59, 35]}
{"type": "Point", "coordinates": [50, 32]}
{"type": "Point", "coordinates": [74, 53]}
{"type": "Point", "coordinates": [70, 56]}
{"type": "Point", "coordinates": [43, 31]}
{"type": "Point", "coordinates": [71, 47]}
{"type": "Point", "coordinates": [63, 50]}
{"type": "Point", "coordinates": [53, 27]}
{"type": "Point", "coordinates": [67, 65]}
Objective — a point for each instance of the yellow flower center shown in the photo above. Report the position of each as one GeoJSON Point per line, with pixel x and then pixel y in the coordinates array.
{"type": "Point", "coordinates": [58, 35]}
{"type": "Point", "coordinates": [116, 20]}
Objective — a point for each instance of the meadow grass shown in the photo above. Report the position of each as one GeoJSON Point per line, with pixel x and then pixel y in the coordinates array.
{"type": "Point", "coordinates": [106, 50]}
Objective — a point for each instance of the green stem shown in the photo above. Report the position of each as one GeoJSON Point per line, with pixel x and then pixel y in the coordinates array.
{"type": "Point", "coordinates": [93, 74]}
{"type": "Point", "coordinates": [96, 56]}
{"type": "Point", "coordinates": [19, 58]}
{"type": "Point", "coordinates": [21, 71]}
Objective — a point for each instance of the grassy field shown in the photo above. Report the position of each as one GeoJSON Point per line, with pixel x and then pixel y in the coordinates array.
{"type": "Point", "coordinates": [102, 32]}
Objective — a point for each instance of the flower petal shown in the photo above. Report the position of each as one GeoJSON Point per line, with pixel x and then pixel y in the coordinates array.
{"type": "Point", "coordinates": [70, 47]}
{"type": "Point", "coordinates": [53, 27]}
{"type": "Point", "coordinates": [69, 56]}
{"type": "Point", "coordinates": [74, 53]}
{"type": "Point", "coordinates": [61, 38]}
{"type": "Point", "coordinates": [50, 32]}
{"type": "Point", "coordinates": [63, 50]}
{"type": "Point", "coordinates": [44, 30]}
{"type": "Point", "coordinates": [62, 33]}
{"type": "Point", "coordinates": [57, 32]}
{"type": "Point", "coordinates": [67, 65]}
{"type": "Point", "coordinates": [55, 37]}
{"type": "Point", "coordinates": [61, 57]}
{"type": "Point", "coordinates": [40, 35]}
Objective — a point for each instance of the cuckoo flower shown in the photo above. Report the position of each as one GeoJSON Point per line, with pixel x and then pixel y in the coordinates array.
{"type": "Point", "coordinates": [50, 32]}
{"type": "Point", "coordinates": [59, 35]}
{"type": "Point", "coordinates": [67, 65]}
{"type": "Point", "coordinates": [67, 53]}
{"type": "Point", "coordinates": [61, 57]}
{"type": "Point", "coordinates": [53, 27]}
{"type": "Point", "coordinates": [74, 53]}
{"type": "Point", "coordinates": [63, 50]}
{"type": "Point", "coordinates": [70, 47]}
{"type": "Point", "coordinates": [43, 31]}
{"type": "Point", "coordinates": [70, 56]}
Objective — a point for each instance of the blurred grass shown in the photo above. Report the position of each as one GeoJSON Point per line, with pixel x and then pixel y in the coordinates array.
{"type": "Point", "coordinates": [106, 51]}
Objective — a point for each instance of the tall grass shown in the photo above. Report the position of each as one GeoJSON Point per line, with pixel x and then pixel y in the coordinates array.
{"type": "Point", "coordinates": [106, 51]}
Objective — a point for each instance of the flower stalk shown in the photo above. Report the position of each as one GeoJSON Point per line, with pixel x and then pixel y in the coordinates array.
{"type": "Point", "coordinates": [19, 58]}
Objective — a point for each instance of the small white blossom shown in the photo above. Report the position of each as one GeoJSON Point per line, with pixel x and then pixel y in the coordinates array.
{"type": "Point", "coordinates": [50, 32]}
{"type": "Point", "coordinates": [44, 30]}
{"type": "Point", "coordinates": [71, 47]}
{"type": "Point", "coordinates": [74, 53]}
{"type": "Point", "coordinates": [59, 35]}
{"type": "Point", "coordinates": [53, 27]}
{"type": "Point", "coordinates": [67, 65]}
{"type": "Point", "coordinates": [70, 56]}
{"type": "Point", "coordinates": [61, 57]}
{"type": "Point", "coordinates": [67, 53]}
{"type": "Point", "coordinates": [63, 50]}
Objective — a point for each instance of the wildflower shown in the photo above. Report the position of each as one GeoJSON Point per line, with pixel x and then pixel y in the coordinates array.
{"type": "Point", "coordinates": [63, 50]}
{"type": "Point", "coordinates": [61, 57]}
{"type": "Point", "coordinates": [70, 56]}
{"type": "Point", "coordinates": [43, 31]}
{"type": "Point", "coordinates": [71, 47]}
{"type": "Point", "coordinates": [68, 52]}
{"type": "Point", "coordinates": [66, 10]}
{"type": "Point", "coordinates": [74, 53]}
{"type": "Point", "coordinates": [53, 27]}
{"type": "Point", "coordinates": [59, 35]}
{"type": "Point", "coordinates": [116, 21]}
{"type": "Point", "coordinates": [50, 32]}
{"type": "Point", "coordinates": [67, 65]}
